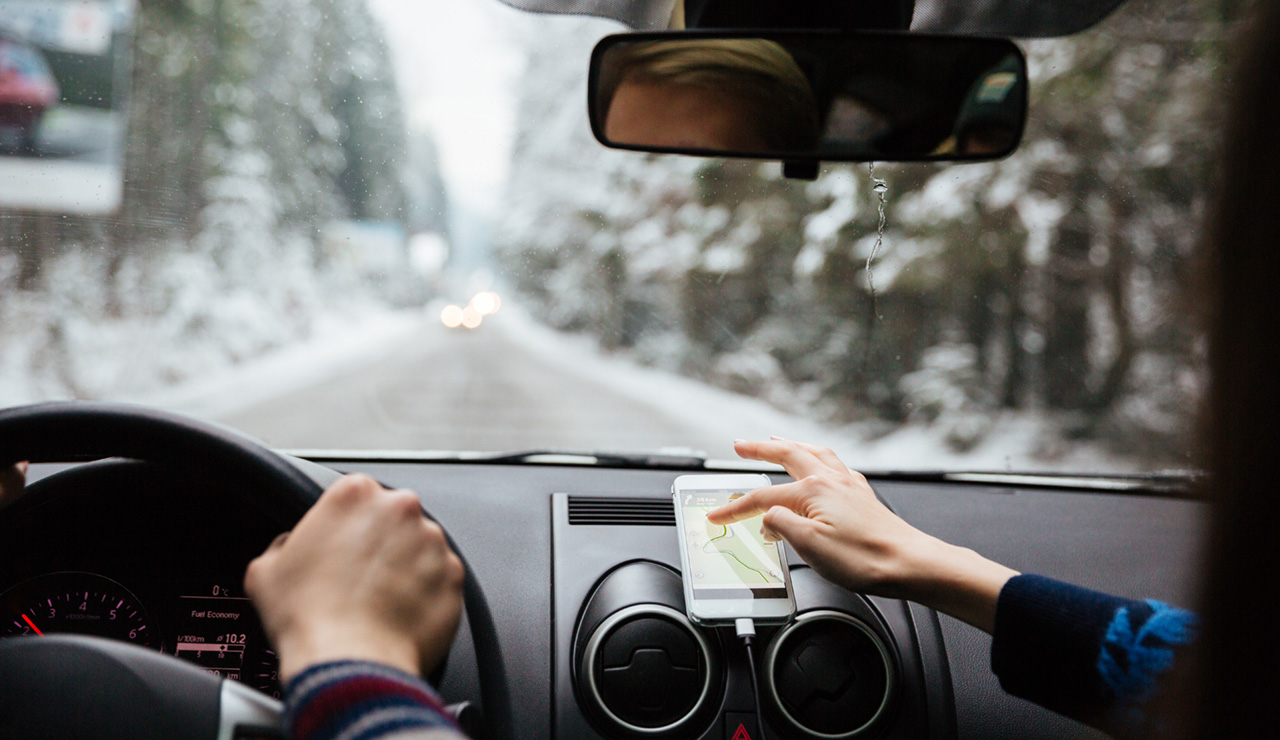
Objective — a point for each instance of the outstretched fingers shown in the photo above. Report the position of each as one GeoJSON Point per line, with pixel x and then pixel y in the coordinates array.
{"type": "Point", "coordinates": [801, 460]}
{"type": "Point", "coordinates": [798, 461]}
{"type": "Point", "coordinates": [826, 455]}
{"type": "Point", "coordinates": [756, 503]}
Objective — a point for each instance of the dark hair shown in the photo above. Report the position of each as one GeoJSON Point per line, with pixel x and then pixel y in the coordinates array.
{"type": "Point", "coordinates": [1236, 668]}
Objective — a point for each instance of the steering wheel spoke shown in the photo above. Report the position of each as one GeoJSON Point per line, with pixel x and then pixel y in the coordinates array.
{"type": "Point", "coordinates": [63, 686]}
{"type": "Point", "coordinates": [245, 714]}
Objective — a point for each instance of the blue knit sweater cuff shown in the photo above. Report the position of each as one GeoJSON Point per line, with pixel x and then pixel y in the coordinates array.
{"type": "Point", "coordinates": [1084, 654]}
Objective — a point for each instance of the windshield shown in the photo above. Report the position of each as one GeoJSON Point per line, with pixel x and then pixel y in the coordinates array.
{"type": "Point", "coordinates": [371, 224]}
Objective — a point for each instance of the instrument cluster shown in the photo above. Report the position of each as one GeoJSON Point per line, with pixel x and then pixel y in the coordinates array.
{"type": "Point", "coordinates": [213, 626]}
{"type": "Point", "coordinates": [134, 554]}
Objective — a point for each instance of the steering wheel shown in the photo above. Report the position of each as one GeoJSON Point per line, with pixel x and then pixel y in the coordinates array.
{"type": "Point", "coordinates": [71, 686]}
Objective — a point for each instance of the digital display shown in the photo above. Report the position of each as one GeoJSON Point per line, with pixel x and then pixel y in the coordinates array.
{"type": "Point", "coordinates": [729, 561]}
{"type": "Point", "coordinates": [214, 630]}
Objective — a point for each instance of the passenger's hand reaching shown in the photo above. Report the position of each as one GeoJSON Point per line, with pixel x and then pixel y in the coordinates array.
{"type": "Point", "coordinates": [13, 480]}
{"type": "Point", "coordinates": [833, 520]}
{"type": "Point", "coordinates": [364, 576]}
{"type": "Point", "coordinates": [829, 515]}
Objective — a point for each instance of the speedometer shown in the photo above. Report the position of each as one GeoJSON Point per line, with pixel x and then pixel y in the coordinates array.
{"type": "Point", "coordinates": [76, 603]}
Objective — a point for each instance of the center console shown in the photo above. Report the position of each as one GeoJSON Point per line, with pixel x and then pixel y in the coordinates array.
{"type": "Point", "coordinates": [630, 665]}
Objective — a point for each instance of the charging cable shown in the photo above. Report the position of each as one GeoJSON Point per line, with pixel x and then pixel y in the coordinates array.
{"type": "Point", "coordinates": [746, 630]}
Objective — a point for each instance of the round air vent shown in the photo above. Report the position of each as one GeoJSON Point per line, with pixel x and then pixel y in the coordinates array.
{"type": "Point", "coordinates": [829, 675]}
{"type": "Point", "coordinates": [647, 671]}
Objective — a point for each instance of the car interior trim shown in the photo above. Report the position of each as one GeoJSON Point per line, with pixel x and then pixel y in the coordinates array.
{"type": "Point", "coordinates": [243, 712]}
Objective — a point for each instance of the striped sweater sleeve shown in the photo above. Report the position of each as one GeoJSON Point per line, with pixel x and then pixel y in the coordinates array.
{"type": "Point", "coordinates": [356, 700]}
{"type": "Point", "coordinates": [1084, 654]}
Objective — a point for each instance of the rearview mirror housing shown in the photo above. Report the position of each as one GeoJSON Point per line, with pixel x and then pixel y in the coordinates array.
{"type": "Point", "coordinates": [809, 96]}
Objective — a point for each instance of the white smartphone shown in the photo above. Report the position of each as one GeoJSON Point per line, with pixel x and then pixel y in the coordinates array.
{"type": "Point", "coordinates": [729, 572]}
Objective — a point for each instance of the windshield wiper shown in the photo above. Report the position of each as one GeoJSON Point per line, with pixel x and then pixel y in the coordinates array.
{"type": "Point", "coordinates": [1175, 482]}
{"type": "Point", "coordinates": [671, 458]}
{"type": "Point", "coordinates": [679, 459]}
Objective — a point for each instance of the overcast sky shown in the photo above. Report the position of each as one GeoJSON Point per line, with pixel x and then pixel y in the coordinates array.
{"type": "Point", "coordinates": [457, 68]}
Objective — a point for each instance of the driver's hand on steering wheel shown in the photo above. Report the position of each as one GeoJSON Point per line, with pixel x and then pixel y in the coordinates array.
{"type": "Point", "coordinates": [363, 576]}
{"type": "Point", "coordinates": [12, 480]}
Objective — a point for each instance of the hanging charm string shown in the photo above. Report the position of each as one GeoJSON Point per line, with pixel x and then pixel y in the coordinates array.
{"type": "Point", "coordinates": [880, 187]}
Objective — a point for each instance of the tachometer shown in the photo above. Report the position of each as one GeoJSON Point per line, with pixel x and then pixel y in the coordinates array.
{"type": "Point", "coordinates": [76, 603]}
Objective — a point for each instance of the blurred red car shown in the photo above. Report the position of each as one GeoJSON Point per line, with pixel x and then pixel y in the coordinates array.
{"type": "Point", "coordinates": [27, 90]}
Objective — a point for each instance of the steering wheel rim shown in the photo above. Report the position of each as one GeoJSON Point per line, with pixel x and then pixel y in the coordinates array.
{"type": "Point", "coordinates": [81, 430]}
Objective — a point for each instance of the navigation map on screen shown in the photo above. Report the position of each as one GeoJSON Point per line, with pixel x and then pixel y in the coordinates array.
{"type": "Point", "coordinates": [723, 560]}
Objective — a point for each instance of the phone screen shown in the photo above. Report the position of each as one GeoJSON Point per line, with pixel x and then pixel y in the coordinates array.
{"type": "Point", "coordinates": [728, 562]}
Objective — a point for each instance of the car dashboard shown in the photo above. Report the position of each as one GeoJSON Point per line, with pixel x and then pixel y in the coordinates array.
{"type": "Point", "coordinates": [580, 568]}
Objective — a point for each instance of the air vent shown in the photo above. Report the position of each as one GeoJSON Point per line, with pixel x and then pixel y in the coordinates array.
{"type": "Point", "coordinates": [829, 676]}
{"type": "Point", "coordinates": [648, 674]}
{"type": "Point", "coordinates": [621, 512]}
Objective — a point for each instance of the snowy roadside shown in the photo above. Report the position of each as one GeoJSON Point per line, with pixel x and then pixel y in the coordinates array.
{"type": "Point", "coordinates": [338, 345]}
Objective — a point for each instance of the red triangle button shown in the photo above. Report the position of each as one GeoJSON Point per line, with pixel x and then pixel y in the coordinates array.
{"type": "Point", "coordinates": [741, 733]}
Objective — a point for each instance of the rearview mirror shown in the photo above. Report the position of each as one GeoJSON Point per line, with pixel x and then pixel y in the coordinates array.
{"type": "Point", "coordinates": [809, 96]}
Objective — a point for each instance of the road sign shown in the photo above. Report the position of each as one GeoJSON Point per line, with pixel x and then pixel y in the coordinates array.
{"type": "Point", "coordinates": [79, 27]}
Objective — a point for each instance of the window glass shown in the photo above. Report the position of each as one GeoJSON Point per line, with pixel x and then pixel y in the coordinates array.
{"type": "Point", "coordinates": [385, 225]}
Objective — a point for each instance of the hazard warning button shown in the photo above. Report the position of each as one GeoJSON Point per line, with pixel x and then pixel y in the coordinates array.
{"type": "Point", "coordinates": [740, 726]}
